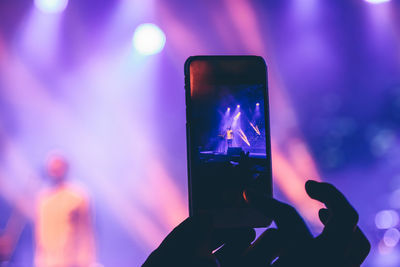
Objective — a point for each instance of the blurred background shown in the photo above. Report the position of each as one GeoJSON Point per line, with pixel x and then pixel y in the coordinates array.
{"type": "Point", "coordinates": [101, 83]}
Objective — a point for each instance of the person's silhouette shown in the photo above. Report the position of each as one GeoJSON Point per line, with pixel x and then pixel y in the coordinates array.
{"type": "Point", "coordinates": [341, 243]}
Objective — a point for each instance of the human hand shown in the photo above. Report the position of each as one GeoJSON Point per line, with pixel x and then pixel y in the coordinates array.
{"type": "Point", "coordinates": [341, 242]}
{"type": "Point", "coordinates": [193, 241]}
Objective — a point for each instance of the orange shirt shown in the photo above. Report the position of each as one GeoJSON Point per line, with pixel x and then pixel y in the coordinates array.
{"type": "Point", "coordinates": [63, 229]}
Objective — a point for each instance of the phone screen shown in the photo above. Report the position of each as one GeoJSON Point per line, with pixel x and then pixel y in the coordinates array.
{"type": "Point", "coordinates": [228, 137]}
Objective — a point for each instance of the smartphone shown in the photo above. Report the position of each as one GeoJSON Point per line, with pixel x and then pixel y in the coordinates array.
{"type": "Point", "coordinates": [228, 137]}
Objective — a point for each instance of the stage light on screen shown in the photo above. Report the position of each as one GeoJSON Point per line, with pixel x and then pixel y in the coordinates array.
{"type": "Point", "coordinates": [377, 1]}
{"type": "Point", "coordinates": [236, 116]}
{"type": "Point", "coordinates": [51, 6]}
{"type": "Point", "coordinates": [228, 109]}
{"type": "Point", "coordinates": [257, 104]}
{"type": "Point", "coordinates": [148, 39]}
{"type": "Point", "coordinates": [238, 106]}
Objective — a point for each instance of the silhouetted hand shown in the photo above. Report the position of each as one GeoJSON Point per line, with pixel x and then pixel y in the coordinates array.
{"type": "Point", "coordinates": [341, 243]}
{"type": "Point", "coordinates": [192, 242]}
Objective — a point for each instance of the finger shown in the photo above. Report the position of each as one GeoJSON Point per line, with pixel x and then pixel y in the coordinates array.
{"type": "Point", "coordinates": [191, 233]}
{"type": "Point", "coordinates": [341, 218]}
{"type": "Point", "coordinates": [359, 249]}
{"type": "Point", "coordinates": [335, 201]}
{"type": "Point", "coordinates": [359, 246]}
{"type": "Point", "coordinates": [323, 215]}
{"type": "Point", "coordinates": [289, 222]}
{"type": "Point", "coordinates": [222, 236]}
{"type": "Point", "coordinates": [192, 229]}
{"type": "Point", "coordinates": [265, 249]}
{"type": "Point", "coordinates": [235, 246]}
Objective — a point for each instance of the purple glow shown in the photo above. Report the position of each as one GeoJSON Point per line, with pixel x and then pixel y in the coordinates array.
{"type": "Point", "coordinates": [395, 199]}
{"type": "Point", "coordinates": [51, 6]}
{"type": "Point", "coordinates": [377, 1]}
{"type": "Point", "coordinates": [386, 219]}
{"type": "Point", "coordinates": [391, 237]}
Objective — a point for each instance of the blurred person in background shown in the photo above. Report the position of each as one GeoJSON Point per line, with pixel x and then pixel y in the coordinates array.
{"type": "Point", "coordinates": [63, 228]}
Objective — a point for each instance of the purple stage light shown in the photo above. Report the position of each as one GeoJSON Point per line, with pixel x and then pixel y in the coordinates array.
{"type": "Point", "coordinates": [391, 237]}
{"type": "Point", "coordinates": [377, 1]}
{"type": "Point", "coordinates": [148, 39]}
{"type": "Point", "coordinates": [386, 219]}
{"type": "Point", "coordinates": [51, 6]}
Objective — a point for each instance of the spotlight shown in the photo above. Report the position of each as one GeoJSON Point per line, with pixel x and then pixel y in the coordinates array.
{"type": "Point", "coordinates": [51, 6]}
{"type": "Point", "coordinates": [377, 1]}
{"type": "Point", "coordinates": [148, 39]}
{"type": "Point", "coordinates": [238, 106]}
{"type": "Point", "coordinates": [228, 109]}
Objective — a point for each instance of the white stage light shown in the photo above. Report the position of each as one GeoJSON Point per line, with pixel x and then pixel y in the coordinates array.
{"type": "Point", "coordinates": [51, 6]}
{"type": "Point", "coordinates": [148, 39]}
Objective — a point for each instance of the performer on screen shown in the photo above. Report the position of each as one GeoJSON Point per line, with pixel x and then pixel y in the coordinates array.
{"type": "Point", "coordinates": [229, 136]}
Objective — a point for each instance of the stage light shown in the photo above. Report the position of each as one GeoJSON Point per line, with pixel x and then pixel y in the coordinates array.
{"type": "Point", "coordinates": [237, 116]}
{"type": "Point", "coordinates": [148, 39]}
{"type": "Point", "coordinates": [238, 106]}
{"type": "Point", "coordinates": [228, 109]}
{"type": "Point", "coordinates": [391, 237]}
{"type": "Point", "coordinates": [377, 1]}
{"type": "Point", "coordinates": [51, 6]}
{"type": "Point", "coordinates": [386, 219]}
{"type": "Point", "coordinates": [257, 104]}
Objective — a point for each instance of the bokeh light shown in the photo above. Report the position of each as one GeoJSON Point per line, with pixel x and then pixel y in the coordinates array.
{"type": "Point", "coordinates": [377, 1]}
{"type": "Point", "coordinates": [386, 219]}
{"type": "Point", "coordinates": [51, 6]}
{"type": "Point", "coordinates": [391, 237]}
{"type": "Point", "coordinates": [148, 39]}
